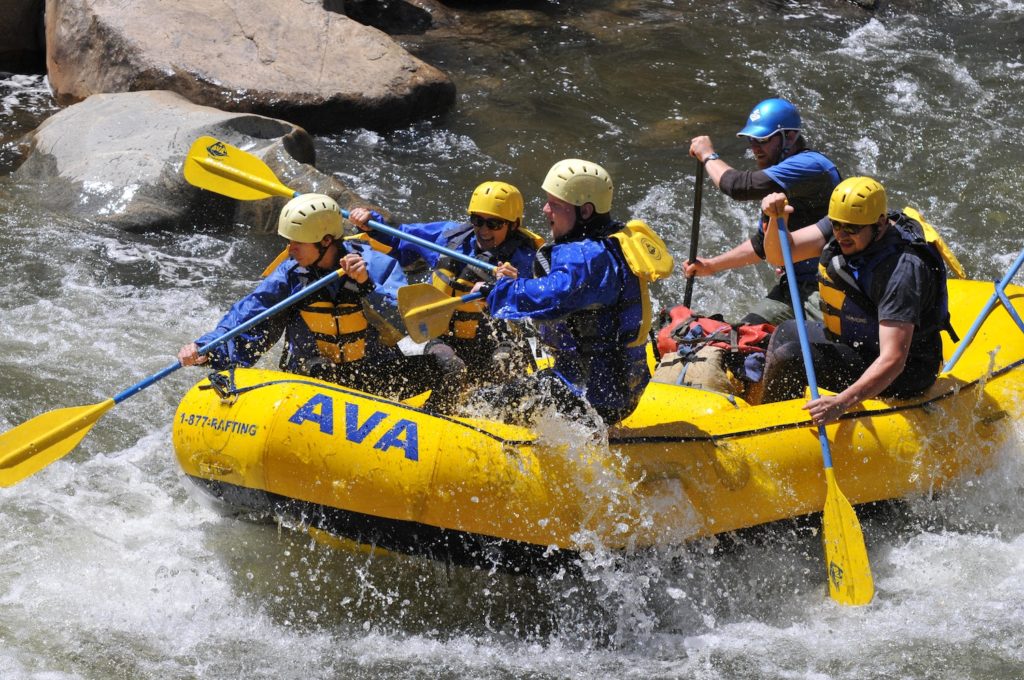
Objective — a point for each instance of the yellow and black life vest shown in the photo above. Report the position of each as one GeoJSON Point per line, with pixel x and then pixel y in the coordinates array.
{"type": "Point", "coordinates": [849, 314]}
{"type": "Point", "coordinates": [647, 256]}
{"type": "Point", "coordinates": [455, 278]}
{"type": "Point", "coordinates": [338, 325]}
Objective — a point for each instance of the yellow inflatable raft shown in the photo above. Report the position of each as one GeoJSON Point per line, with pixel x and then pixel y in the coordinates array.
{"type": "Point", "coordinates": [687, 463]}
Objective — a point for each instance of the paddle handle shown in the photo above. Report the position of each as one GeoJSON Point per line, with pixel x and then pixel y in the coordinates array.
{"type": "Point", "coordinates": [429, 245]}
{"type": "Point", "coordinates": [801, 329]}
{"type": "Point", "coordinates": [233, 333]}
{"type": "Point", "coordinates": [698, 199]}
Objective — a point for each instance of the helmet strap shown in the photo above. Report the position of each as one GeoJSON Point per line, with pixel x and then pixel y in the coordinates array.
{"type": "Point", "coordinates": [586, 227]}
{"type": "Point", "coordinates": [321, 248]}
{"type": "Point", "coordinates": [785, 145]}
{"type": "Point", "coordinates": [580, 222]}
{"type": "Point", "coordinates": [876, 229]}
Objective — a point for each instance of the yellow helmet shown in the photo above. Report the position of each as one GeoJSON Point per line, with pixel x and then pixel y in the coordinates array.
{"type": "Point", "coordinates": [309, 217]}
{"type": "Point", "coordinates": [857, 200]}
{"type": "Point", "coordinates": [498, 199]}
{"type": "Point", "coordinates": [579, 182]}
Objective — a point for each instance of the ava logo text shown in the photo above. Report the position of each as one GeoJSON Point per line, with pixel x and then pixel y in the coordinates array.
{"type": "Point", "coordinates": [396, 434]}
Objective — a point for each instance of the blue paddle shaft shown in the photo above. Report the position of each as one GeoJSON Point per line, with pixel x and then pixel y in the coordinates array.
{"type": "Point", "coordinates": [233, 333]}
{"type": "Point", "coordinates": [989, 306]}
{"type": "Point", "coordinates": [429, 245]}
{"type": "Point", "coordinates": [801, 329]}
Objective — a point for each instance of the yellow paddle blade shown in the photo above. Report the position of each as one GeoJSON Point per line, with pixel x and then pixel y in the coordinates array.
{"type": "Point", "coordinates": [426, 311]}
{"type": "Point", "coordinates": [33, 445]}
{"type": "Point", "coordinates": [849, 572]}
{"type": "Point", "coordinates": [227, 170]}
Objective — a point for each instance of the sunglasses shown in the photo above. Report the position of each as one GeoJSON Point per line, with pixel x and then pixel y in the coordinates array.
{"type": "Point", "coordinates": [847, 228]}
{"type": "Point", "coordinates": [761, 141]}
{"type": "Point", "coordinates": [492, 223]}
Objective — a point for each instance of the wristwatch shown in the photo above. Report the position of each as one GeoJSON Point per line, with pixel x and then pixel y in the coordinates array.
{"type": "Point", "coordinates": [713, 156]}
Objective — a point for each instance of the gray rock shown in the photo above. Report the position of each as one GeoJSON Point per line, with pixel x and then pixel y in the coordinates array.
{"type": "Point", "coordinates": [290, 60]}
{"type": "Point", "coordinates": [118, 158]}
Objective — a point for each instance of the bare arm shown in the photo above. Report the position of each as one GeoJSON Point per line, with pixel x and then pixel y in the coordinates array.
{"type": "Point", "coordinates": [894, 341]}
{"type": "Point", "coordinates": [740, 256]}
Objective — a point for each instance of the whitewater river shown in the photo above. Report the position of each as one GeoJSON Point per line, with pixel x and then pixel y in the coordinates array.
{"type": "Point", "coordinates": [108, 569]}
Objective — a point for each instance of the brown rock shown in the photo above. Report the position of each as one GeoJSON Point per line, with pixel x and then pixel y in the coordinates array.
{"type": "Point", "coordinates": [291, 60]}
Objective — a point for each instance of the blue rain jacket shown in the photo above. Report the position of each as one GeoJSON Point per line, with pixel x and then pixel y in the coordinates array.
{"type": "Point", "coordinates": [588, 309]}
{"type": "Point", "coordinates": [381, 291]}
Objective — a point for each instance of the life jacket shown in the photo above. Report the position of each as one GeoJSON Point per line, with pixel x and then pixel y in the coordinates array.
{"type": "Point", "coordinates": [684, 332]}
{"type": "Point", "coordinates": [600, 350]}
{"type": "Point", "coordinates": [594, 330]}
{"type": "Point", "coordinates": [337, 322]}
{"type": "Point", "coordinates": [850, 315]}
{"type": "Point", "coordinates": [456, 278]}
{"type": "Point", "coordinates": [603, 347]}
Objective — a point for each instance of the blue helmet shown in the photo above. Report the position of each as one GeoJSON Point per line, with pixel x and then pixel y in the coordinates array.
{"type": "Point", "coordinates": [769, 117]}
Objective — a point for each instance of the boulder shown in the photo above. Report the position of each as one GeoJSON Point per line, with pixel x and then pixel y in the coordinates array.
{"type": "Point", "coordinates": [118, 158]}
{"type": "Point", "coordinates": [290, 60]}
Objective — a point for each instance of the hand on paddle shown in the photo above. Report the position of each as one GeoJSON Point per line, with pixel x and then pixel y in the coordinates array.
{"type": "Point", "coordinates": [701, 147]}
{"type": "Point", "coordinates": [698, 267]}
{"type": "Point", "coordinates": [827, 409]}
{"type": "Point", "coordinates": [189, 355]}
{"type": "Point", "coordinates": [360, 217]}
{"type": "Point", "coordinates": [503, 270]}
{"type": "Point", "coordinates": [354, 267]}
{"type": "Point", "coordinates": [506, 270]}
{"type": "Point", "coordinates": [776, 206]}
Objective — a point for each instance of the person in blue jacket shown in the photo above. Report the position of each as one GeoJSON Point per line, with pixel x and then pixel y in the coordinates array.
{"type": "Point", "coordinates": [329, 334]}
{"type": "Point", "coordinates": [786, 165]}
{"type": "Point", "coordinates": [587, 302]}
{"type": "Point", "coordinates": [477, 348]}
